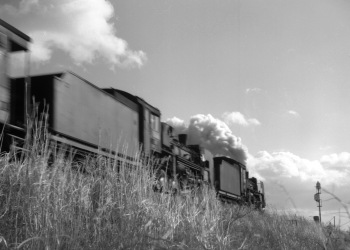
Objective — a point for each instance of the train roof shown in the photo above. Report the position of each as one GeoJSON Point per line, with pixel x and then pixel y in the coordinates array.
{"type": "Point", "coordinates": [229, 160]}
{"type": "Point", "coordinates": [18, 40]}
{"type": "Point", "coordinates": [129, 97]}
{"type": "Point", "coordinates": [134, 98]}
{"type": "Point", "coordinates": [122, 96]}
{"type": "Point", "coordinates": [56, 74]}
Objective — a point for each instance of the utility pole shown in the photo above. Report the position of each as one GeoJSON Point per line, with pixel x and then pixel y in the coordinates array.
{"type": "Point", "coordinates": [318, 198]}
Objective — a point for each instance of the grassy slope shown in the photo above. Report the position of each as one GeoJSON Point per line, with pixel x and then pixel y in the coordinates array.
{"type": "Point", "coordinates": [45, 204]}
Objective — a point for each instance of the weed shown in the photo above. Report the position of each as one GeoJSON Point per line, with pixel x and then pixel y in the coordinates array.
{"type": "Point", "coordinates": [48, 203]}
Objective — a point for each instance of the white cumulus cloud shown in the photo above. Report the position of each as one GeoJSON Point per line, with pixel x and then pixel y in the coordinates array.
{"type": "Point", "coordinates": [293, 113]}
{"type": "Point", "coordinates": [82, 28]}
{"type": "Point", "coordinates": [339, 162]}
{"type": "Point", "coordinates": [231, 118]}
{"type": "Point", "coordinates": [330, 169]}
{"type": "Point", "coordinates": [253, 90]}
{"type": "Point", "coordinates": [286, 174]}
{"type": "Point", "coordinates": [24, 6]}
{"type": "Point", "coordinates": [278, 165]}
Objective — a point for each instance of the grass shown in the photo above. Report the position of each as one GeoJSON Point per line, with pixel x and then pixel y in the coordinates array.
{"type": "Point", "coordinates": [45, 203]}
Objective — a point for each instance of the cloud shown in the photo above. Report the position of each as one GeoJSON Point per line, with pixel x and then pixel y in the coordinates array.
{"type": "Point", "coordinates": [330, 169]}
{"type": "Point", "coordinates": [293, 113]}
{"type": "Point", "coordinates": [24, 7]}
{"type": "Point", "coordinates": [231, 118]}
{"type": "Point", "coordinates": [325, 148]}
{"type": "Point", "coordinates": [285, 165]}
{"type": "Point", "coordinates": [212, 134]}
{"type": "Point", "coordinates": [253, 90]}
{"type": "Point", "coordinates": [81, 28]}
{"type": "Point", "coordinates": [286, 174]}
{"type": "Point", "coordinates": [339, 162]}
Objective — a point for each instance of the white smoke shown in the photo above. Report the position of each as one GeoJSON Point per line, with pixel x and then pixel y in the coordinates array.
{"type": "Point", "coordinates": [212, 134]}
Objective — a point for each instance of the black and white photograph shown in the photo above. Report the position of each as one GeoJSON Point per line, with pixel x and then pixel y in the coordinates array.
{"type": "Point", "coordinates": [175, 124]}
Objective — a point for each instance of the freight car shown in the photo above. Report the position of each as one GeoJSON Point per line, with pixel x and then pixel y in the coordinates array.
{"type": "Point", "coordinates": [101, 120]}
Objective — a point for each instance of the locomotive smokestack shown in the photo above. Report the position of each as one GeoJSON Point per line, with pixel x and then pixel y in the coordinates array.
{"type": "Point", "coordinates": [183, 139]}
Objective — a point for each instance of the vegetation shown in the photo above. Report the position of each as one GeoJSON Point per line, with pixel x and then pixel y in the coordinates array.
{"type": "Point", "coordinates": [46, 202]}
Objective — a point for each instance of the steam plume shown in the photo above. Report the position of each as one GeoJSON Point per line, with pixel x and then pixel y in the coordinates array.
{"type": "Point", "coordinates": [212, 134]}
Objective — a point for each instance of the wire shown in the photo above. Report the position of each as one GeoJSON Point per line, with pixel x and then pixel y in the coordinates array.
{"type": "Point", "coordinates": [345, 206]}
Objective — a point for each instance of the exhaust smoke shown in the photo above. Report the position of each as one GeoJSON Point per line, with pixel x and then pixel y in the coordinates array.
{"type": "Point", "coordinates": [212, 134]}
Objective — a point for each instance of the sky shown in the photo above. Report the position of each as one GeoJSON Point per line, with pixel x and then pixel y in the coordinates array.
{"type": "Point", "coordinates": [270, 76]}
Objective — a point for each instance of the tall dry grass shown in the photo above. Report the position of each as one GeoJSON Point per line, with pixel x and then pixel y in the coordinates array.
{"type": "Point", "coordinates": [47, 203]}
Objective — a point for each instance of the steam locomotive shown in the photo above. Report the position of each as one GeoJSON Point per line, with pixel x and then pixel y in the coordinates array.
{"type": "Point", "coordinates": [101, 120]}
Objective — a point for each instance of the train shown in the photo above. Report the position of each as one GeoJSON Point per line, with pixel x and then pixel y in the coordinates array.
{"type": "Point", "coordinates": [112, 122]}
